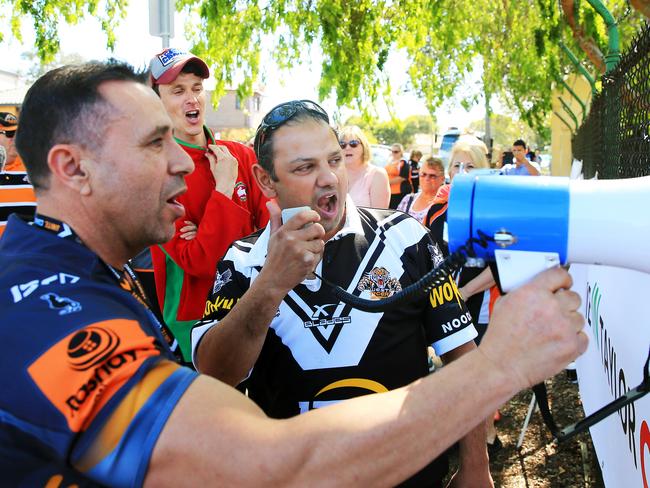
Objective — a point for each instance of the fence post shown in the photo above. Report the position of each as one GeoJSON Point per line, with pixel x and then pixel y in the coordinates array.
{"type": "Point", "coordinates": [563, 121]}
{"type": "Point", "coordinates": [578, 99]}
{"type": "Point", "coordinates": [580, 67]}
{"type": "Point", "coordinates": [613, 55]}
{"type": "Point", "coordinates": [568, 110]}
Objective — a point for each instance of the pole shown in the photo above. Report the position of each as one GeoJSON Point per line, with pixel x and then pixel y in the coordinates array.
{"type": "Point", "coordinates": [580, 67]}
{"type": "Point", "coordinates": [568, 110]}
{"type": "Point", "coordinates": [570, 90]}
{"type": "Point", "coordinates": [613, 42]}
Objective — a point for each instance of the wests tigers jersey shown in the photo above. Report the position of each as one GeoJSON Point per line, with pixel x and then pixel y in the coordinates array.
{"type": "Point", "coordinates": [319, 350]}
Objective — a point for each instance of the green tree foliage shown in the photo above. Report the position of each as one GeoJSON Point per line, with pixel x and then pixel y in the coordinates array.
{"type": "Point", "coordinates": [45, 16]}
{"type": "Point", "coordinates": [515, 41]}
{"type": "Point", "coordinates": [506, 130]}
{"type": "Point", "coordinates": [394, 130]}
{"type": "Point", "coordinates": [39, 67]}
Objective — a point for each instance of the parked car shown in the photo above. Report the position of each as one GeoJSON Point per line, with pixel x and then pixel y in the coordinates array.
{"type": "Point", "coordinates": [381, 155]}
{"type": "Point", "coordinates": [449, 138]}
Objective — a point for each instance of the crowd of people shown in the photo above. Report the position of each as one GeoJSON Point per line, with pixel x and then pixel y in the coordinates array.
{"type": "Point", "coordinates": [104, 389]}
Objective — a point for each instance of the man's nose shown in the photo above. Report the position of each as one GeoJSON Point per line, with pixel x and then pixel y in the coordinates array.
{"type": "Point", "coordinates": [179, 162]}
{"type": "Point", "coordinates": [327, 176]}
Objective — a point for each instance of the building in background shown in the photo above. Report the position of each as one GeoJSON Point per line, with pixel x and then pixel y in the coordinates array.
{"type": "Point", "coordinates": [234, 113]}
{"type": "Point", "coordinates": [12, 92]}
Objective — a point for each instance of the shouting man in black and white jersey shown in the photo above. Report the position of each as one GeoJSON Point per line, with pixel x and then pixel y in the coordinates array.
{"type": "Point", "coordinates": [298, 347]}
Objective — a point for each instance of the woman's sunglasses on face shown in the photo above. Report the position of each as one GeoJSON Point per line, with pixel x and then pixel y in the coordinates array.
{"type": "Point", "coordinates": [9, 133]}
{"type": "Point", "coordinates": [352, 143]}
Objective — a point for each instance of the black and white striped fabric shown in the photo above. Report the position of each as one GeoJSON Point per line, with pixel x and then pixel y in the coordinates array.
{"type": "Point", "coordinates": [319, 350]}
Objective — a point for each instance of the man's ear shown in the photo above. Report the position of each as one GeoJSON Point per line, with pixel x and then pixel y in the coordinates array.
{"type": "Point", "coordinates": [265, 182]}
{"type": "Point", "coordinates": [69, 168]}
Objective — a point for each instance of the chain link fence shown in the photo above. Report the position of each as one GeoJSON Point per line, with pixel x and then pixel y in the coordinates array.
{"type": "Point", "coordinates": [614, 140]}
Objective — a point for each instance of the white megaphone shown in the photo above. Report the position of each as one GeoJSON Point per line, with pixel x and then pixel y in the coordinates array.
{"type": "Point", "coordinates": [533, 223]}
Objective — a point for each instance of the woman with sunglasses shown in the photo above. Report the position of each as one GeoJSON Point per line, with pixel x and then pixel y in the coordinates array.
{"type": "Point", "coordinates": [368, 184]}
{"type": "Point", "coordinates": [432, 176]}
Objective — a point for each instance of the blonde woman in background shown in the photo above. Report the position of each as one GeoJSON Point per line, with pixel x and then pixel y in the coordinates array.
{"type": "Point", "coordinates": [431, 177]}
{"type": "Point", "coordinates": [368, 184]}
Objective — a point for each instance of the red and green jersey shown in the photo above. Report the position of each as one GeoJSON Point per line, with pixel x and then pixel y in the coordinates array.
{"type": "Point", "coordinates": [185, 269]}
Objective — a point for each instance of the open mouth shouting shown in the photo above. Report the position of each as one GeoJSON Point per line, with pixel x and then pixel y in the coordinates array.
{"type": "Point", "coordinates": [192, 116]}
{"type": "Point", "coordinates": [328, 205]}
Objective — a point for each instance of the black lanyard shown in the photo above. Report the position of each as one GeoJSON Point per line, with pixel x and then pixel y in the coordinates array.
{"type": "Point", "coordinates": [126, 279]}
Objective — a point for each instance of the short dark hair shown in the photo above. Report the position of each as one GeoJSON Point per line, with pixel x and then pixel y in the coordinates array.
{"type": "Point", "coordinates": [191, 66]}
{"type": "Point", "coordinates": [520, 142]}
{"type": "Point", "coordinates": [265, 150]}
{"type": "Point", "coordinates": [64, 106]}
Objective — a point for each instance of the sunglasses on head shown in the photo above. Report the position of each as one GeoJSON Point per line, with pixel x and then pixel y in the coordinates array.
{"type": "Point", "coordinates": [8, 133]}
{"type": "Point", "coordinates": [352, 143]}
{"type": "Point", "coordinates": [281, 114]}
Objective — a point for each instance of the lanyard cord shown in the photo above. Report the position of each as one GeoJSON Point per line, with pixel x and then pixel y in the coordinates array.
{"type": "Point", "coordinates": [127, 280]}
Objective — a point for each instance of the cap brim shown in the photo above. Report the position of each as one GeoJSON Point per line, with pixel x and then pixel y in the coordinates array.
{"type": "Point", "coordinates": [172, 73]}
{"type": "Point", "coordinates": [8, 127]}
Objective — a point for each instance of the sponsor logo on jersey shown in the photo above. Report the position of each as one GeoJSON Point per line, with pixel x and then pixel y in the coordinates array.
{"type": "Point", "coordinates": [64, 305]}
{"type": "Point", "coordinates": [221, 280]}
{"type": "Point", "coordinates": [445, 293]}
{"type": "Point", "coordinates": [83, 371]}
{"type": "Point", "coordinates": [91, 346]}
{"type": "Point", "coordinates": [436, 254]}
{"type": "Point", "coordinates": [336, 392]}
{"type": "Point", "coordinates": [240, 189]}
{"type": "Point", "coordinates": [219, 303]}
{"type": "Point", "coordinates": [322, 318]}
{"type": "Point", "coordinates": [463, 320]}
{"type": "Point", "coordinates": [380, 284]}
{"type": "Point", "coordinates": [18, 292]}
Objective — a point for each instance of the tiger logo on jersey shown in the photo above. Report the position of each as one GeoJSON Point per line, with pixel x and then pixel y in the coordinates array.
{"type": "Point", "coordinates": [380, 284]}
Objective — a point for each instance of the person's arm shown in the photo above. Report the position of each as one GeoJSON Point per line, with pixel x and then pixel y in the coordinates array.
{"type": "Point", "coordinates": [222, 221]}
{"type": "Point", "coordinates": [256, 200]}
{"type": "Point", "coordinates": [474, 464]}
{"type": "Point", "coordinates": [216, 436]}
{"type": "Point", "coordinates": [229, 349]}
{"type": "Point", "coordinates": [188, 231]}
{"type": "Point", "coordinates": [532, 170]}
{"type": "Point", "coordinates": [379, 189]}
{"type": "Point", "coordinates": [482, 282]}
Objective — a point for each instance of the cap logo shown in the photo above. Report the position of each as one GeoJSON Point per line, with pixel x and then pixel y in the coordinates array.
{"type": "Point", "coordinates": [168, 55]}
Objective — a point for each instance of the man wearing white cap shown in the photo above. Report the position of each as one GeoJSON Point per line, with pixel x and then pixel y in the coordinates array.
{"type": "Point", "coordinates": [223, 199]}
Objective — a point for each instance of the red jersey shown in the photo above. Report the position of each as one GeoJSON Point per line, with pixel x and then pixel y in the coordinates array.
{"type": "Point", "coordinates": [185, 269]}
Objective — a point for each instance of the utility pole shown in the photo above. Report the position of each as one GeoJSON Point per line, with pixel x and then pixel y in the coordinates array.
{"type": "Point", "coordinates": [161, 20]}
